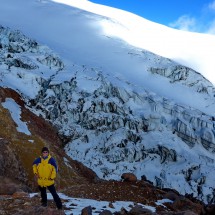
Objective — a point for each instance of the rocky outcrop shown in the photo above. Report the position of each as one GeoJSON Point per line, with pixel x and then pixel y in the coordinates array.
{"type": "Point", "coordinates": [9, 186]}
{"type": "Point", "coordinates": [10, 165]}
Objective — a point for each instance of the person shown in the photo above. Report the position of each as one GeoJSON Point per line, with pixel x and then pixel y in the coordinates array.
{"type": "Point", "coordinates": [45, 171]}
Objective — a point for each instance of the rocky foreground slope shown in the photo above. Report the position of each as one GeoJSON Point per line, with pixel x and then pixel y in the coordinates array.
{"type": "Point", "coordinates": [16, 201]}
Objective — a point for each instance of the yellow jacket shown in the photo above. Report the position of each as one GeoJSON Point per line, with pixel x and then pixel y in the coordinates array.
{"type": "Point", "coordinates": [46, 170]}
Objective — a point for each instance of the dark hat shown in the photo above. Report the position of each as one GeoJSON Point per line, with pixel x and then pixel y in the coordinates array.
{"type": "Point", "coordinates": [45, 149]}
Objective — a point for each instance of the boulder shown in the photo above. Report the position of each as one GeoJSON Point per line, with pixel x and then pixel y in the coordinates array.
{"type": "Point", "coordinates": [130, 177]}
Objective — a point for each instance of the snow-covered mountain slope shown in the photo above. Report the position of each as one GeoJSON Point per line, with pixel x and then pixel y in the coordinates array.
{"type": "Point", "coordinates": [81, 37]}
{"type": "Point", "coordinates": [191, 49]}
{"type": "Point", "coordinates": [117, 107]}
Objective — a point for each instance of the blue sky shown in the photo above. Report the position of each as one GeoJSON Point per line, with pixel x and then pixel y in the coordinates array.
{"type": "Point", "coordinates": [190, 15]}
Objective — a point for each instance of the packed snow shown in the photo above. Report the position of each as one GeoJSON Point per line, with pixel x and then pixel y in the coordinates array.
{"type": "Point", "coordinates": [76, 205]}
{"type": "Point", "coordinates": [15, 112]}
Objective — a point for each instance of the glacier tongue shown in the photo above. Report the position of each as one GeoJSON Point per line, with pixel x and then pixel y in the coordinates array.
{"type": "Point", "coordinates": [114, 126]}
{"type": "Point", "coordinates": [113, 129]}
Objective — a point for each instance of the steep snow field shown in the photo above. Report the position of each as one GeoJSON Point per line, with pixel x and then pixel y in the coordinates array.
{"type": "Point", "coordinates": [97, 36]}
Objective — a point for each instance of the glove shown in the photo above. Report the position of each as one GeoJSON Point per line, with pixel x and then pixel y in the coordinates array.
{"type": "Point", "coordinates": [36, 177]}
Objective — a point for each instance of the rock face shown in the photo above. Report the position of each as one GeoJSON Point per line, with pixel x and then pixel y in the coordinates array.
{"type": "Point", "coordinates": [10, 165]}
{"type": "Point", "coordinates": [9, 186]}
{"type": "Point", "coordinates": [110, 125]}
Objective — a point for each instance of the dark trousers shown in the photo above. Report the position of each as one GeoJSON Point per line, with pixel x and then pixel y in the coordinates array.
{"type": "Point", "coordinates": [54, 194]}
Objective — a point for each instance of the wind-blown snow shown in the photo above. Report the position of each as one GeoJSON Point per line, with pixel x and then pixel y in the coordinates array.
{"type": "Point", "coordinates": [76, 205]}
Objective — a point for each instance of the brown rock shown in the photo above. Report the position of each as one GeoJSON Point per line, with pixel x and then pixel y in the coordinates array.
{"type": "Point", "coordinates": [20, 195]}
{"type": "Point", "coordinates": [130, 177]}
{"type": "Point", "coordinates": [171, 195]}
{"type": "Point", "coordinates": [7, 186]}
{"type": "Point", "coordinates": [86, 211]}
{"type": "Point", "coordinates": [209, 210]}
{"type": "Point", "coordinates": [40, 210]}
{"type": "Point", "coordinates": [105, 212]}
{"type": "Point", "coordinates": [183, 204]}
{"type": "Point", "coordinates": [138, 209]}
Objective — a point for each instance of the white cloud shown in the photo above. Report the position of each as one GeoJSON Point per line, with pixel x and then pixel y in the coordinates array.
{"type": "Point", "coordinates": [184, 22]}
{"type": "Point", "coordinates": [211, 6]}
{"type": "Point", "coordinates": [204, 23]}
{"type": "Point", "coordinates": [211, 29]}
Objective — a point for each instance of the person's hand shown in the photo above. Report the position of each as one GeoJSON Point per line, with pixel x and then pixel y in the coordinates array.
{"type": "Point", "coordinates": [35, 181]}
{"type": "Point", "coordinates": [35, 177]}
